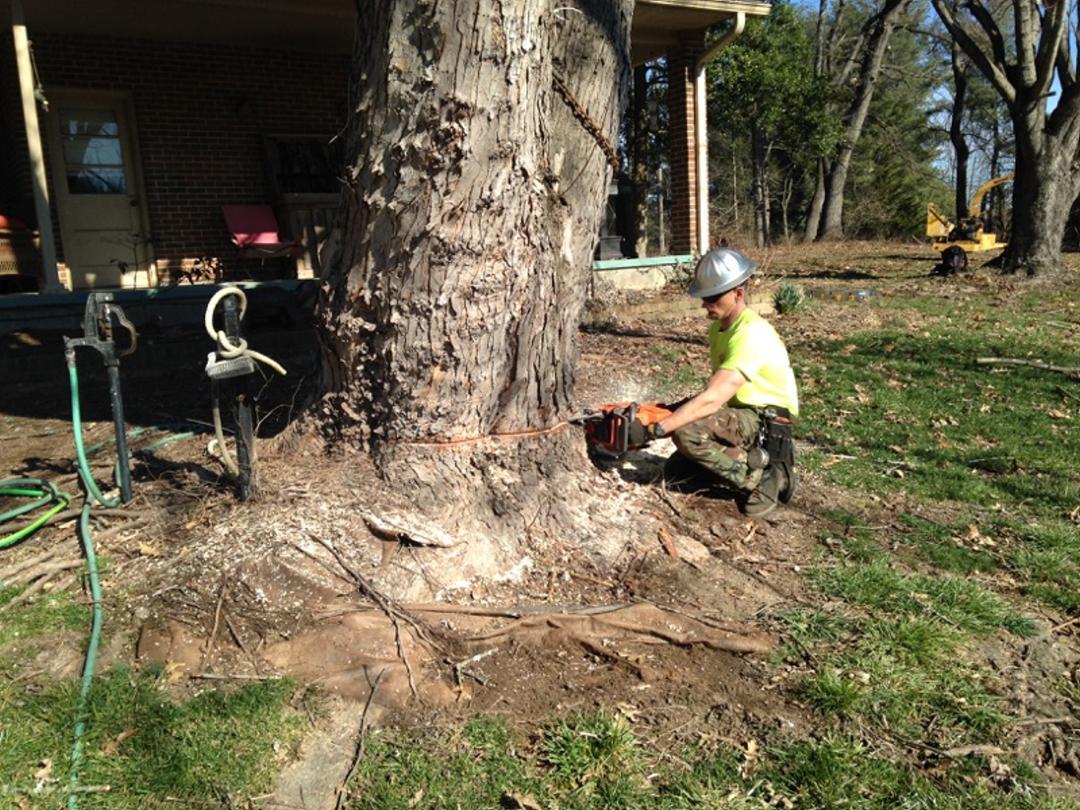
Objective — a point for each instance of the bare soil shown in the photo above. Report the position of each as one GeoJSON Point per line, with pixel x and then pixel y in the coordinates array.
{"type": "Point", "coordinates": [296, 583]}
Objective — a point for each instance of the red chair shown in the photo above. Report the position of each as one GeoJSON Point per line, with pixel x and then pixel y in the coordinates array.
{"type": "Point", "coordinates": [254, 230]}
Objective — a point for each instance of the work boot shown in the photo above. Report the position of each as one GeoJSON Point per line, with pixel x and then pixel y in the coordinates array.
{"type": "Point", "coordinates": [767, 493]}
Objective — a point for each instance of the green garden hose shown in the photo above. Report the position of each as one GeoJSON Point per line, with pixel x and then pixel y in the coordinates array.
{"type": "Point", "coordinates": [43, 492]}
{"type": "Point", "coordinates": [92, 492]}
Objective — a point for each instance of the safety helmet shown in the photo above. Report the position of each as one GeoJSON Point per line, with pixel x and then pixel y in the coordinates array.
{"type": "Point", "coordinates": [720, 270]}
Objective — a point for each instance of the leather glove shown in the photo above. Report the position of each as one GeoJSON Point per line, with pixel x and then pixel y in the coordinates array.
{"type": "Point", "coordinates": [641, 434]}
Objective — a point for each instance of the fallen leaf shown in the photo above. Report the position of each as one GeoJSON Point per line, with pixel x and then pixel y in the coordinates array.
{"type": "Point", "coordinates": [665, 540]}
{"type": "Point", "coordinates": [111, 747]}
{"type": "Point", "coordinates": [521, 801]}
{"type": "Point", "coordinates": [149, 550]}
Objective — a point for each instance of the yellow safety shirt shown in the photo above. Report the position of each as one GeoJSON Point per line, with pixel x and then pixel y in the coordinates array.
{"type": "Point", "coordinates": [752, 347]}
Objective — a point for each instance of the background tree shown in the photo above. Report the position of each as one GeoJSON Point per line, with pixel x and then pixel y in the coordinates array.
{"type": "Point", "coordinates": [895, 170]}
{"type": "Point", "coordinates": [869, 55]}
{"type": "Point", "coordinates": [1022, 69]}
{"type": "Point", "coordinates": [479, 153]}
{"type": "Point", "coordinates": [762, 95]}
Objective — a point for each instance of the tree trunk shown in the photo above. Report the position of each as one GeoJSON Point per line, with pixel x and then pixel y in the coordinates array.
{"type": "Point", "coordinates": [789, 189]}
{"type": "Point", "coordinates": [1045, 186]}
{"type": "Point", "coordinates": [813, 216]}
{"type": "Point", "coordinates": [479, 150]}
{"type": "Point", "coordinates": [760, 192]}
{"type": "Point", "coordinates": [832, 226]}
{"type": "Point", "coordinates": [956, 129]}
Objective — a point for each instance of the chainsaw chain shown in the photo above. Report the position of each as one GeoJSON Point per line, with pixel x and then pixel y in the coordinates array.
{"type": "Point", "coordinates": [583, 117]}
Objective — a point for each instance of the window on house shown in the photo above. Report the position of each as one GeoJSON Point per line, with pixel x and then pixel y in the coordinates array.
{"type": "Point", "coordinates": [93, 156]}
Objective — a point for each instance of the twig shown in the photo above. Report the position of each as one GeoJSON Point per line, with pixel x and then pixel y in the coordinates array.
{"type": "Point", "coordinates": [459, 667]}
{"type": "Point", "coordinates": [236, 636]}
{"type": "Point", "coordinates": [214, 676]}
{"type": "Point", "coordinates": [1038, 721]}
{"type": "Point", "coordinates": [217, 621]}
{"type": "Point", "coordinates": [1066, 393]}
{"type": "Point", "coordinates": [392, 610]}
{"type": "Point", "coordinates": [1059, 627]}
{"type": "Point", "coordinates": [45, 569]}
{"type": "Point", "coordinates": [609, 655]}
{"type": "Point", "coordinates": [342, 792]}
{"type": "Point", "coordinates": [607, 583]}
{"type": "Point", "coordinates": [1014, 361]}
{"type": "Point", "coordinates": [7, 573]}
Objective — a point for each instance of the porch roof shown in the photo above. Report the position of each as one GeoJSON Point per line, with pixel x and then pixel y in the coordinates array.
{"type": "Point", "coordinates": [318, 25]}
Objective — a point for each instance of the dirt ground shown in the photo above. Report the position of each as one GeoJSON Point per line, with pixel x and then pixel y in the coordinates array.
{"type": "Point", "coordinates": [673, 629]}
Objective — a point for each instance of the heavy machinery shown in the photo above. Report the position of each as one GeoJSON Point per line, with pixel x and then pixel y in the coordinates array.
{"type": "Point", "coordinates": [956, 240]}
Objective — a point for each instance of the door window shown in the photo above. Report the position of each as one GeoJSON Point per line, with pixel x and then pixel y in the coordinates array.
{"type": "Point", "coordinates": [93, 154]}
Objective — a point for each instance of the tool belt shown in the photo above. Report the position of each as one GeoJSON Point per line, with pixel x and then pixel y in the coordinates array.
{"type": "Point", "coordinates": [777, 440]}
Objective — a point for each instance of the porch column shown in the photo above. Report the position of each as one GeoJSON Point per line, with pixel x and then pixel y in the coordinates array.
{"type": "Point", "coordinates": [33, 140]}
{"type": "Point", "coordinates": [701, 133]}
{"type": "Point", "coordinates": [682, 71]}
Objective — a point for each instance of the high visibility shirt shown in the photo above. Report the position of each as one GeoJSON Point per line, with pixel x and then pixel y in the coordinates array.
{"type": "Point", "coordinates": [752, 347]}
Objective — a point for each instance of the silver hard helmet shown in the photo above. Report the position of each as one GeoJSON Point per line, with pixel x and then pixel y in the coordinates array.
{"type": "Point", "coordinates": [720, 270]}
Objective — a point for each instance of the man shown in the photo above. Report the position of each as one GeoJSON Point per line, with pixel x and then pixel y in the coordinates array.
{"type": "Point", "coordinates": [750, 398]}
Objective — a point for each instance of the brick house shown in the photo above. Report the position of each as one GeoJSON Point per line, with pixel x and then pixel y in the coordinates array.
{"type": "Point", "coordinates": [161, 112]}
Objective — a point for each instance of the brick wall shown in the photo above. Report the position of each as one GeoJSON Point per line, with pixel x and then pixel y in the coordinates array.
{"type": "Point", "coordinates": [682, 62]}
{"type": "Point", "coordinates": [200, 112]}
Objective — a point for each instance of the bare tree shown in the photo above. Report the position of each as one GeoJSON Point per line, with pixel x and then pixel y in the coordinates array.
{"type": "Point", "coordinates": [479, 153]}
{"type": "Point", "coordinates": [873, 41]}
{"type": "Point", "coordinates": [1022, 72]}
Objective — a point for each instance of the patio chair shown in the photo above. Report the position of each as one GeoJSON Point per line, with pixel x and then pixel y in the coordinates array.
{"type": "Point", "coordinates": [254, 231]}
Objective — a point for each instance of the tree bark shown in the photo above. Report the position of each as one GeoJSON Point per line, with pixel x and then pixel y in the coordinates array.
{"type": "Point", "coordinates": [817, 203]}
{"type": "Point", "coordinates": [956, 129]}
{"type": "Point", "coordinates": [832, 225]}
{"type": "Point", "coordinates": [760, 186]}
{"type": "Point", "coordinates": [1044, 188]}
{"type": "Point", "coordinates": [478, 150]}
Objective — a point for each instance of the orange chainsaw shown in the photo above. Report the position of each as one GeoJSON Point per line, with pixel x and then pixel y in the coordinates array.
{"type": "Point", "coordinates": [607, 428]}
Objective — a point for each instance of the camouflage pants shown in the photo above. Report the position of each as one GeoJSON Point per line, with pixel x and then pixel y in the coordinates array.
{"type": "Point", "coordinates": [719, 444]}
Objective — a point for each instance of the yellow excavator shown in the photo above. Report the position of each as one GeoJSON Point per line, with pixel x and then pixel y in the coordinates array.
{"type": "Point", "coordinates": [968, 234]}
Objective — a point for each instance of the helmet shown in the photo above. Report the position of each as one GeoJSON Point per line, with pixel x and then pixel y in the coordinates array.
{"type": "Point", "coordinates": [720, 270]}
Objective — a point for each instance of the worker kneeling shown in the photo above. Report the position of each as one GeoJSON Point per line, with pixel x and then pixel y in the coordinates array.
{"type": "Point", "coordinates": [739, 427]}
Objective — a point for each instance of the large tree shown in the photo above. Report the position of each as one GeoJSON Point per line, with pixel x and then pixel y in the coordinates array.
{"type": "Point", "coordinates": [1022, 69]}
{"type": "Point", "coordinates": [479, 152]}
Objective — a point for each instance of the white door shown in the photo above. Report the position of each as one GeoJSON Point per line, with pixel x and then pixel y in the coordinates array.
{"type": "Point", "coordinates": [95, 175]}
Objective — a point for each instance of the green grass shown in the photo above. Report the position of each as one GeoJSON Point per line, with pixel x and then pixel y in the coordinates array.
{"type": "Point", "coordinates": [48, 614]}
{"type": "Point", "coordinates": [144, 745]}
{"type": "Point", "coordinates": [594, 761]}
{"type": "Point", "coordinates": [919, 416]}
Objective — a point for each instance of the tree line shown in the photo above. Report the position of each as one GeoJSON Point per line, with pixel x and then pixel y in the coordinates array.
{"type": "Point", "coordinates": [846, 119]}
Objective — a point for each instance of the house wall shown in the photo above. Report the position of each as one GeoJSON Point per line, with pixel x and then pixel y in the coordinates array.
{"type": "Point", "coordinates": [201, 112]}
{"type": "Point", "coordinates": [682, 69]}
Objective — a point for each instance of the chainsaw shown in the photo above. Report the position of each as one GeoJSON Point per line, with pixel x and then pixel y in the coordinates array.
{"type": "Point", "coordinates": [607, 428]}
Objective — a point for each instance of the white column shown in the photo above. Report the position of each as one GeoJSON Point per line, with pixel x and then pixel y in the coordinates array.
{"type": "Point", "coordinates": [33, 140]}
{"type": "Point", "coordinates": [701, 131]}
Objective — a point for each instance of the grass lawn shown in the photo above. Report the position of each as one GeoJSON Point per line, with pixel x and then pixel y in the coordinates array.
{"type": "Point", "coordinates": [953, 524]}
